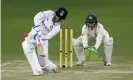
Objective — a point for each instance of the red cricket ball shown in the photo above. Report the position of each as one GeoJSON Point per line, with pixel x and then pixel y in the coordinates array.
{"type": "Point", "coordinates": [25, 34]}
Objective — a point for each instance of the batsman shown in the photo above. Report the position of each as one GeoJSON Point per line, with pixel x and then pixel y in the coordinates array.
{"type": "Point", "coordinates": [93, 31]}
{"type": "Point", "coordinates": [46, 26]}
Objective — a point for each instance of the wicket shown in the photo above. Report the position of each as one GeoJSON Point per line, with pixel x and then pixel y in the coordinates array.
{"type": "Point", "coordinates": [68, 42]}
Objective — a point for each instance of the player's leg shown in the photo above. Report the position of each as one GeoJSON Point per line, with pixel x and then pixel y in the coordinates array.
{"type": "Point", "coordinates": [44, 60]}
{"type": "Point", "coordinates": [31, 56]}
{"type": "Point", "coordinates": [45, 63]}
{"type": "Point", "coordinates": [108, 47]}
{"type": "Point", "coordinates": [79, 50]}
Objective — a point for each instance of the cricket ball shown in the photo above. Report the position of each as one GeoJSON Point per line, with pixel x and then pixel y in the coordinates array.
{"type": "Point", "coordinates": [26, 35]}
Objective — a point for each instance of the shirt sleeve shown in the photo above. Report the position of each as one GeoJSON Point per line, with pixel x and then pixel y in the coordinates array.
{"type": "Point", "coordinates": [36, 29]}
{"type": "Point", "coordinates": [84, 36]}
{"type": "Point", "coordinates": [51, 34]}
{"type": "Point", "coordinates": [35, 32]}
{"type": "Point", "coordinates": [99, 36]}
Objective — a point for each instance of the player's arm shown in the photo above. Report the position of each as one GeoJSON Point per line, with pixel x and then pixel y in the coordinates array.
{"type": "Point", "coordinates": [36, 34]}
{"type": "Point", "coordinates": [88, 51]}
{"type": "Point", "coordinates": [84, 36]}
{"type": "Point", "coordinates": [51, 34]}
{"type": "Point", "coordinates": [99, 36]}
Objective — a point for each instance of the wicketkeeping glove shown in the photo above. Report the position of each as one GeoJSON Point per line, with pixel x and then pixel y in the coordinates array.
{"type": "Point", "coordinates": [91, 53]}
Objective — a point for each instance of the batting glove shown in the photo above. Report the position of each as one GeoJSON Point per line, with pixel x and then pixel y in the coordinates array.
{"type": "Point", "coordinates": [38, 39]}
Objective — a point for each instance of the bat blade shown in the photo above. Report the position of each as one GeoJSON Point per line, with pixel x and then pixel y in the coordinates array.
{"type": "Point", "coordinates": [40, 50]}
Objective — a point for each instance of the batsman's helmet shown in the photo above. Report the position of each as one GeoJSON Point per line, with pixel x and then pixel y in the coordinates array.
{"type": "Point", "coordinates": [61, 13]}
{"type": "Point", "coordinates": [91, 18]}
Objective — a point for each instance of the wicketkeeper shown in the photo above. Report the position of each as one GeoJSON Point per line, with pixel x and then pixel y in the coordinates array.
{"type": "Point", "coordinates": [92, 30]}
{"type": "Point", "coordinates": [46, 26]}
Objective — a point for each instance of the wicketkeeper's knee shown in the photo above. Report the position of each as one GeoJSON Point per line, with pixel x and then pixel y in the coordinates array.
{"type": "Point", "coordinates": [108, 41]}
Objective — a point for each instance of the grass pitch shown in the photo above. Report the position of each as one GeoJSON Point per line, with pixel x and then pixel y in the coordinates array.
{"type": "Point", "coordinates": [94, 70]}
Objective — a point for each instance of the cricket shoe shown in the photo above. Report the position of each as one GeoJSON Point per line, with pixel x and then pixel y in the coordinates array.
{"type": "Point", "coordinates": [80, 64]}
{"type": "Point", "coordinates": [107, 63]}
{"type": "Point", "coordinates": [55, 70]}
{"type": "Point", "coordinates": [37, 73]}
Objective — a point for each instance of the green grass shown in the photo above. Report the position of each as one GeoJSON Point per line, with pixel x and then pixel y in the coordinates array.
{"type": "Point", "coordinates": [17, 18]}
{"type": "Point", "coordinates": [115, 15]}
{"type": "Point", "coordinates": [94, 70]}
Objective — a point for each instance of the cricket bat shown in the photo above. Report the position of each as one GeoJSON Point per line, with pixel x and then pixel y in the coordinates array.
{"type": "Point", "coordinates": [40, 50]}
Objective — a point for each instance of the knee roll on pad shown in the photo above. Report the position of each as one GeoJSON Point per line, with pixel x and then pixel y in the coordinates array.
{"type": "Point", "coordinates": [77, 42]}
{"type": "Point", "coordinates": [74, 43]}
{"type": "Point", "coordinates": [108, 41]}
{"type": "Point", "coordinates": [27, 48]}
{"type": "Point", "coordinates": [77, 45]}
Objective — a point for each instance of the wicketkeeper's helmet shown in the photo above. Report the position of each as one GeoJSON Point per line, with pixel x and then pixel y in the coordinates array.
{"type": "Point", "coordinates": [61, 13]}
{"type": "Point", "coordinates": [91, 18]}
